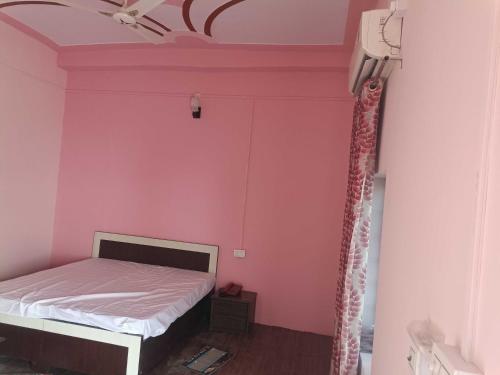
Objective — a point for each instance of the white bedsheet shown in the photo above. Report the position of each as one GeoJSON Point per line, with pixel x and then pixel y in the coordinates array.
{"type": "Point", "coordinates": [115, 295]}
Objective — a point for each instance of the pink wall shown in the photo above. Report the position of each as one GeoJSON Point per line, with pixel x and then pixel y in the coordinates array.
{"type": "Point", "coordinates": [432, 142]}
{"type": "Point", "coordinates": [32, 97]}
{"type": "Point", "coordinates": [263, 170]}
{"type": "Point", "coordinates": [487, 329]}
{"type": "Point", "coordinates": [220, 57]}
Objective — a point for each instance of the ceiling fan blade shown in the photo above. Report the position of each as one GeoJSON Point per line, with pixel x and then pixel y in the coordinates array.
{"type": "Point", "coordinates": [148, 33]}
{"type": "Point", "coordinates": [78, 5]}
{"type": "Point", "coordinates": [141, 7]}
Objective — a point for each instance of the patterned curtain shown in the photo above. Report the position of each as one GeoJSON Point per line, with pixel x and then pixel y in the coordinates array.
{"type": "Point", "coordinates": [356, 231]}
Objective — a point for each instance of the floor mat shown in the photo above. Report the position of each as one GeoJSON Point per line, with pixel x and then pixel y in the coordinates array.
{"type": "Point", "coordinates": [208, 360]}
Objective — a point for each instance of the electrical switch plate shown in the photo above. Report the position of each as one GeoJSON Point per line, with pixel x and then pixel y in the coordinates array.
{"type": "Point", "coordinates": [239, 253]}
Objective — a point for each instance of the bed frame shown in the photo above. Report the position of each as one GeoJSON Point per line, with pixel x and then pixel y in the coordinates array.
{"type": "Point", "coordinates": [89, 350]}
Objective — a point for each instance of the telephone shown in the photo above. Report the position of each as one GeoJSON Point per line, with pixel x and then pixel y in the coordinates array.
{"type": "Point", "coordinates": [230, 290]}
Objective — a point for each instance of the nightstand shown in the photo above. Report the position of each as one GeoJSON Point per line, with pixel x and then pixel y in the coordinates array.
{"type": "Point", "coordinates": [233, 314]}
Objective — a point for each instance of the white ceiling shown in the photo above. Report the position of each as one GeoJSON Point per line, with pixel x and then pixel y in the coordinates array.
{"type": "Point", "coordinates": [266, 22]}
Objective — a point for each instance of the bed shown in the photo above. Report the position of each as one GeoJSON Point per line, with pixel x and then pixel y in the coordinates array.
{"type": "Point", "coordinates": [119, 312]}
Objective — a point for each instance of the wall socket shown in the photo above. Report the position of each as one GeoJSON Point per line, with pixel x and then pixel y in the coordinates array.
{"type": "Point", "coordinates": [239, 253]}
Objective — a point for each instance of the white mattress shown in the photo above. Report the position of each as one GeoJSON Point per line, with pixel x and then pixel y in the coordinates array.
{"type": "Point", "coordinates": [114, 295]}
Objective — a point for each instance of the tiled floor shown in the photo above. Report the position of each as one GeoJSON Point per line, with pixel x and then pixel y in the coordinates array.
{"type": "Point", "coordinates": [265, 351]}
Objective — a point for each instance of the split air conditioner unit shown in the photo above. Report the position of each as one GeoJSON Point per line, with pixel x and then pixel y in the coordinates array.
{"type": "Point", "coordinates": [377, 47]}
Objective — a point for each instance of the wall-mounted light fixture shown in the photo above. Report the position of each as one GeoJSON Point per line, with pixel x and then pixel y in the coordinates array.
{"type": "Point", "coordinates": [196, 106]}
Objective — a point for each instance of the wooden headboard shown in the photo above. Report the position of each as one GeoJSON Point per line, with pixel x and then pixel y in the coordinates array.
{"type": "Point", "coordinates": [185, 255]}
